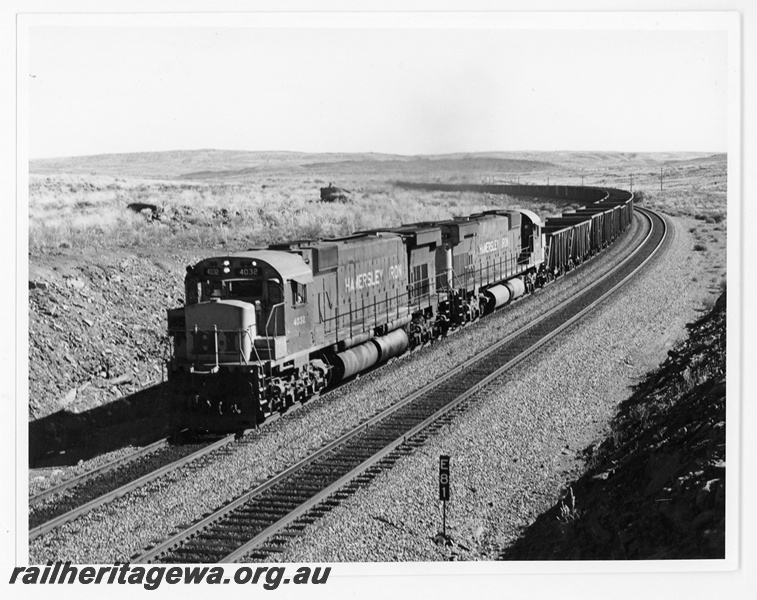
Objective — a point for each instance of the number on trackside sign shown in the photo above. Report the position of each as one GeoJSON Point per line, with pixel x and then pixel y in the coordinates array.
{"type": "Point", "coordinates": [444, 477]}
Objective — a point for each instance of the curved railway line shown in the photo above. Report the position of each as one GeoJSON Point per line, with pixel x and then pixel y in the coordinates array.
{"type": "Point", "coordinates": [265, 519]}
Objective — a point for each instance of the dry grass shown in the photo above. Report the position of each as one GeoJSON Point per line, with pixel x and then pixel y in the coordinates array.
{"type": "Point", "coordinates": [78, 212]}
{"type": "Point", "coordinates": [236, 205]}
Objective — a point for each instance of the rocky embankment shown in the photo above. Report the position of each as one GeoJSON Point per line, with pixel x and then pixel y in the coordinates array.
{"type": "Point", "coordinates": [96, 338]}
{"type": "Point", "coordinates": [94, 331]}
{"type": "Point", "coordinates": [655, 487]}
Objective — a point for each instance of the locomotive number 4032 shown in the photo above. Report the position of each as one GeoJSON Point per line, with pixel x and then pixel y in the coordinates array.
{"type": "Point", "coordinates": [299, 320]}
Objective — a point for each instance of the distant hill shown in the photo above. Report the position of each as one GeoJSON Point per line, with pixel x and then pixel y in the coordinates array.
{"type": "Point", "coordinates": [178, 163]}
{"type": "Point", "coordinates": [235, 164]}
{"type": "Point", "coordinates": [390, 166]}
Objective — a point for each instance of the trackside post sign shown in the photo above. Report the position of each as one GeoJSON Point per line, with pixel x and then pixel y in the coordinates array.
{"type": "Point", "coordinates": [444, 477]}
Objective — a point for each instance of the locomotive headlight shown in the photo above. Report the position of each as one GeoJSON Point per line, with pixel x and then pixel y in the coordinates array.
{"type": "Point", "coordinates": [254, 263]}
{"type": "Point", "coordinates": [226, 270]}
{"type": "Point", "coordinates": [226, 263]}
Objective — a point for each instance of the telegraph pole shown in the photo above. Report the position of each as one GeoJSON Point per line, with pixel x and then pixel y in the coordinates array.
{"type": "Point", "coordinates": [660, 179]}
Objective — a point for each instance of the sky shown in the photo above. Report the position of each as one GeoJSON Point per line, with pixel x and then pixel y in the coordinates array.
{"type": "Point", "coordinates": [403, 86]}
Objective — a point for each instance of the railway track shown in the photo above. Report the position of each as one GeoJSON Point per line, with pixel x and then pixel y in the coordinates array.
{"type": "Point", "coordinates": [264, 520]}
{"type": "Point", "coordinates": [75, 497]}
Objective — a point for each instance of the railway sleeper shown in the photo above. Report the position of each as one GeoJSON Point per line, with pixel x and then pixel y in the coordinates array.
{"type": "Point", "coordinates": [194, 552]}
{"type": "Point", "coordinates": [255, 555]}
{"type": "Point", "coordinates": [361, 480]}
{"type": "Point", "coordinates": [206, 543]}
{"type": "Point", "coordinates": [341, 495]}
{"type": "Point", "coordinates": [297, 496]}
{"type": "Point", "coordinates": [276, 506]}
{"type": "Point", "coordinates": [325, 475]}
{"type": "Point", "coordinates": [341, 461]}
{"type": "Point", "coordinates": [337, 468]}
{"type": "Point", "coordinates": [270, 549]}
{"type": "Point", "coordinates": [231, 535]}
{"type": "Point", "coordinates": [291, 534]}
{"type": "Point", "coordinates": [316, 471]}
{"type": "Point", "coordinates": [272, 511]}
{"type": "Point", "coordinates": [250, 520]}
{"type": "Point", "coordinates": [305, 490]}
{"type": "Point", "coordinates": [321, 510]}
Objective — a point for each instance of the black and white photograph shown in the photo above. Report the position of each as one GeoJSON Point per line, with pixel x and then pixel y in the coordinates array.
{"type": "Point", "coordinates": [379, 300]}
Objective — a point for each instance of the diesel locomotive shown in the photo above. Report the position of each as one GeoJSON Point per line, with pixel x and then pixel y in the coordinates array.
{"type": "Point", "coordinates": [263, 329]}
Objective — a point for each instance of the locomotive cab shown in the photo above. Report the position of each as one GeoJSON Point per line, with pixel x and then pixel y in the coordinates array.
{"type": "Point", "coordinates": [240, 309]}
{"type": "Point", "coordinates": [532, 240]}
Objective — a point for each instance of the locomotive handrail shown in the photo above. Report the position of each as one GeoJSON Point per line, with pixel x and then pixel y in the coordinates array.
{"type": "Point", "coordinates": [271, 314]}
{"type": "Point", "coordinates": [246, 333]}
{"type": "Point", "coordinates": [255, 350]}
{"type": "Point", "coordinates": [274, 308]}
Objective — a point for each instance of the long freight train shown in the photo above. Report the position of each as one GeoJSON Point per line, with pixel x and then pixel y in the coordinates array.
{"type": "Point", "coordinates": [263, 329]}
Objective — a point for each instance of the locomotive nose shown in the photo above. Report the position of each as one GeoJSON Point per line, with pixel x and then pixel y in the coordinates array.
{"type": "Point", "coordinates": [220, 331]}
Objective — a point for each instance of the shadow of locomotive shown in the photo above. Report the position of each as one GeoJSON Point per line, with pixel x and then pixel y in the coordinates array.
{"type": "Point", "coordinates": [64, 438]}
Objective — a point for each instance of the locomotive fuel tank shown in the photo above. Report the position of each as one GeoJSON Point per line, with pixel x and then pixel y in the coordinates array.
{"type": "Point", "coordinates": [354, 360]}
{"type": "Point", "coordinates": [392, 344]}
{"type": "Point", "coordinates": [362, 357]}
{"type": "Point", "coordinates": [516, 286]}
{"type": "Point", "coordinates": [496, 296]}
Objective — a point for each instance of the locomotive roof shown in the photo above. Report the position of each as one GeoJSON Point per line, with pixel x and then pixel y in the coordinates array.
{"type": "Point", "coordinates": [535, 219]}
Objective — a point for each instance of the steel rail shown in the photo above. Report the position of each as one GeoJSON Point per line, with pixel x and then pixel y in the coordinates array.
{"type": "Point", "coordinates": [192, 531]}
{"type": "Point", "coordinates": [106, 468]}
{"type": "Point", "coordinates": [125, 489]}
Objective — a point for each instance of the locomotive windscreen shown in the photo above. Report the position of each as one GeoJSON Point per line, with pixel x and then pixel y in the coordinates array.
{"type": "Point", "coordinates": [250, 288]}
{"type": "Point", "coordinates": [245, 289]}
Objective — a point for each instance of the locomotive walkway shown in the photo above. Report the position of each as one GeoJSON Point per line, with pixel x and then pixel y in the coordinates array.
{"type": "Point", "coordinates": [261, 522]}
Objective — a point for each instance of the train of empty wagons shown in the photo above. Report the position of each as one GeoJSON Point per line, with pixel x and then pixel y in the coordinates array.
{"type": "Point", "coordinates": [266, 328]}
